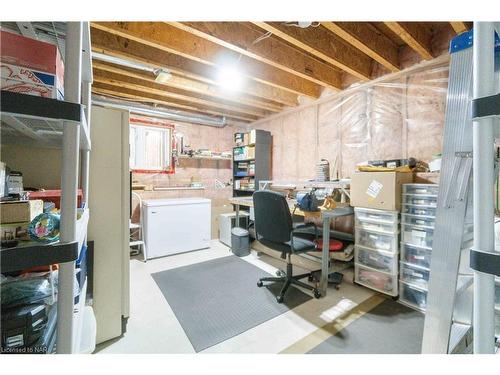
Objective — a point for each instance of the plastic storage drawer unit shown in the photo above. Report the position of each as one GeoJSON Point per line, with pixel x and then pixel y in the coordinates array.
{"type": "Point", "coordinates": [425, 221]}
{"type": "Point", "coordinates": [417, 235]}
{"type": "Point", "coordinates": [413, 296]}
{"type": "Point", "coordinates": [370, 214]}
{"type": "Point", "coordinates": [376, 240]}
{"type": "Point", "coordinates": [376, 259]}
{"type": "Point", "coordinates": [415, 275]}
{"type": "Point", "coordinates": [416, 255]}
{"type": "Point", "coordinates": [420, 189]}
{"type": "Point", "coordinates": [412, 209]}
{"type": "Point", "coordinates": [420, 200]}
{"type": "Point", "coordinates": [379, 281]}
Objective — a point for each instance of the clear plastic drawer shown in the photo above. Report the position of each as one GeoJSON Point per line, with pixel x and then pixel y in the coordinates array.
{"type": "Point", "coordinates": [369, 214]}
{"type": "Point", "coordinates": [379, 281]}
{"type": "Point", "coordinates": [425, 221]}
{"type": "Point", "coordinates": [376, 240]}
{"type": "Point", "coordinates": [416, 255]}
{"type": "Point", "coordinates": [420, 200]}
{"type": "Point", "coordinates": [420, 189]}
{"type": "Point", "coordinates": [413, 296]}
{"type": "Point", "coordinates": [418, 210]}
{"type": "Point", "coordinates": [417, 235]}
{"type": "Point", "coordinates": [377, 259]}
{"type": "Point", "coordinates": [414, 275]}
{"type": "Point", "coordinates": [379, 226]}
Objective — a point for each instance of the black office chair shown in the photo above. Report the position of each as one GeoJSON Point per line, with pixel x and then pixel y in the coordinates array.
{"type": "Point", "coordinates": [274, 229]}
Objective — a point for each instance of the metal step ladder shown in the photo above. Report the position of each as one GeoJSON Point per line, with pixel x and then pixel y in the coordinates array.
{"type": "Point", "coordinates": [459, 290]}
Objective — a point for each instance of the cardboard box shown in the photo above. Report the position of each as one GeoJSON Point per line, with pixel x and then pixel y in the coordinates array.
{"type": "Point", "coordinates": [30, 66]}
{"type": "Point", "coordinates": [379, 190]}
{"type": "Point", "coordinates": [20, 211]}
{"type": "Point", "coordinates": [14, 231]}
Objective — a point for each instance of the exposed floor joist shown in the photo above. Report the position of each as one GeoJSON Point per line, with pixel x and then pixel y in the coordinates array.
{"type": "Point", "coordinates": [173, 40]}
{"type": "Point", "coordinates": [418, 37]}
{"type": "Point", "coordinates": [325, 45]}
{"type": "Point", "coordinates": [368, 40]}
{"type": "Point", "coordinates": [137, 83]}
{"type": "Point", "coordinates": [117, 46]}
{"type": "Point", "coordinates": [459, 27]}
{"type": "Point", "coordinates": [241, 37]}
{"type": "Point", "coordinates": [190, 87]}
{"type": "Point", "coordinates": [115, 91]}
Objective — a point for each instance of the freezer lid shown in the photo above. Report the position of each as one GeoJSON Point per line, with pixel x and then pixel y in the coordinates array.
{"type": "Point", "coordinates": [175, 202]}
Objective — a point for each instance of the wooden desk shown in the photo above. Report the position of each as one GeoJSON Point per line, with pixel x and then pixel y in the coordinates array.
{"type": "Point", "coordinates": [326, 215]}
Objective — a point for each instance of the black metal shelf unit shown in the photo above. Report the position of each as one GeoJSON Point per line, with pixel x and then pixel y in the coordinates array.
{"type": "Point", "coordinates": [262, 160]}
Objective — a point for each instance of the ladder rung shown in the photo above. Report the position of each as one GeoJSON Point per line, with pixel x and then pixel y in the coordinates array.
{"type": "Point", "coordinates": [136, 243]}
{"type": "Point", "coordinates": [134, 226]}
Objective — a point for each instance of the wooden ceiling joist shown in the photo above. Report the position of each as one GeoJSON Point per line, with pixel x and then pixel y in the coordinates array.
{"type": "Point", "coordinates": [116, 91]}
{"type": "Point", "coordinates": [127, 49]}
{"type": "Point", "coordinates": [176, 41]}
{"type": "Point", "coordinates": [459, 27]}
{"type": "Point", "coordinates": [138, 83]}
{"type": "Point", "coordinates": [417, 36]}
{"type": "Point", "coordinates": [367, 39]}
{"type": "Point", "coordinates": [244, 38]}
{"type": "Point", "coordinates": [188, 86]}
{"type": "Point", "coordinates": [324, 45]}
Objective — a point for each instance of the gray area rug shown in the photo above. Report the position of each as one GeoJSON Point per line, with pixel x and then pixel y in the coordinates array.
{"type": "Point", "coordinates": [389, 328]}
{"type": "Point", "coordinates": [219, 299]}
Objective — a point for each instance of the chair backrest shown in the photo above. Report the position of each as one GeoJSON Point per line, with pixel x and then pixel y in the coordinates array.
{"type": "Point", "coordinates": [273, 220]}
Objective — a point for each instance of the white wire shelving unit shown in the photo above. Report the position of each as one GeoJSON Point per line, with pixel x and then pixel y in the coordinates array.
{"type": "Point", "coordinates": [51, 123]}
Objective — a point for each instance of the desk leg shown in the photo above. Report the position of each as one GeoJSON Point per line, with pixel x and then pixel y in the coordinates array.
{"type": "Point", "coordinates": [237, 215]}
{"type": "Point", "coordinates": [325, 257]}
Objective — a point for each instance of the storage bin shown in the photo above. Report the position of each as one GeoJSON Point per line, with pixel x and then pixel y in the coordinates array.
{"type": "Point", "coordinates": [418, 210]}
{"type": "Point", "coordinates": [420, 189]}
{"type": "Point", "coordinates": [420, 200]}
{"type": "Point", "coordinates": [376, 259]}
{"type": "Point", "coordinates": [414, 275]}
{"type": "Point", "coordinates": [425, 221]}
{"type": "Point", "coordinates": [379, 281]}
{"type": "Point", "coordinates": [370, 214]}
{"type": "Point", "coordinates": [376, 240]}
{"type": "Point", "coordinates": [416, 255]}
{"type": "Point", "coordinates": [417, 235]}
{"type": "Point", "coordinates": [413, 296]}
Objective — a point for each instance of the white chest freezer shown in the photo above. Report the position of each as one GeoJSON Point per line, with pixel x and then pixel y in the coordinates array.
{"type": "Point", "coordinates": [173, 226]}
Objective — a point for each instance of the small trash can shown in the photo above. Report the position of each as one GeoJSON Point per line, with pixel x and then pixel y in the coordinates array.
{"type": "Point", "coordinates": [240, 243]}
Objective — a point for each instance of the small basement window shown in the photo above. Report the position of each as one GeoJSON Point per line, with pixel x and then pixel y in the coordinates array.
{"type": "Point", "coordinates": [151, 145]}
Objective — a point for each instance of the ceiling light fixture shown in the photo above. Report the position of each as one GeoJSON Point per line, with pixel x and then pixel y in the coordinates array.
{"type": "Point", "coordinates": [162, 75]}
{"type": "Point", "coordinates": [230, 78]}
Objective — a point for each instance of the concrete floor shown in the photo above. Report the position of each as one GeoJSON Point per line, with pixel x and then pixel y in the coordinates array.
{"type": "Point", "coordinates": [153, 327]}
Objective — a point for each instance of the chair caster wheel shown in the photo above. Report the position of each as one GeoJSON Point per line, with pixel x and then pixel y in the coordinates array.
{"type": "Point", "coordinates": [260, 284]}
{"type": "Point", "coordinates": [279, 299]}
{"type": "Point", "coordinates": [317, 293]}
{"type": "Point", "coordinates": [280, 273]}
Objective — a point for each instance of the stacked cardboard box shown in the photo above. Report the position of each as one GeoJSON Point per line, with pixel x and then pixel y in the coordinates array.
{"type": "Point", "coordinates": [29, 66]}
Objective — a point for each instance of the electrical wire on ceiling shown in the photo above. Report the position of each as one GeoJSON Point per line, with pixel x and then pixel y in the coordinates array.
{"type": "Point", "coordinates": [262, 37]}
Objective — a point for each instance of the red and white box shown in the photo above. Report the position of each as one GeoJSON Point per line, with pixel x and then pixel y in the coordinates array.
{"type": "Point", "coordinates": [29, 66]}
